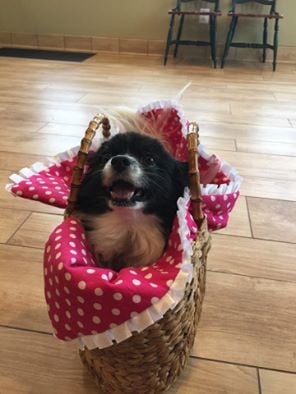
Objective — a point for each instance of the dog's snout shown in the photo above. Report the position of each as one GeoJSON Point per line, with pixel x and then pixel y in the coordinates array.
{"type": "Point", "coordinates": [120, 163]}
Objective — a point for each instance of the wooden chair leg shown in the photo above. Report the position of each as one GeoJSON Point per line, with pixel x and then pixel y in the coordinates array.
{"type": "Point", "coordinates": [213, 38]}
{"type": "Point", "coordinates": [275, 43]}
{"type": "Point", "coordinates": [264, 39]}
{"type": "Point", "coordinates": [229, 39]}
{"type": "Point", "coordinates": [169, 39]}
{"type": "Point", "coordinates": [179, 35]}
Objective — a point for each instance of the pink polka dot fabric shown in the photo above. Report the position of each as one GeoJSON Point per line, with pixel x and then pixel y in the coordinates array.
{"type": "Point", "coordinates": [84, 299]}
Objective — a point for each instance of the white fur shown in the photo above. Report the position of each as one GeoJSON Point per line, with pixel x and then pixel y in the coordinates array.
{"type": "Point", "coordinates": [125, 234]}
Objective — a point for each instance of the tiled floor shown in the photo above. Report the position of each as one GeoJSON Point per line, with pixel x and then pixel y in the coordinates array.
{"type": "Point", "coordinates": [246, 341]}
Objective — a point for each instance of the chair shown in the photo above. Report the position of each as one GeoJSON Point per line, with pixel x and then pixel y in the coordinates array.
{"type": "Point", "coordinates": [265, 16]}
{"type": "Point", "coordinates": [181, 14]}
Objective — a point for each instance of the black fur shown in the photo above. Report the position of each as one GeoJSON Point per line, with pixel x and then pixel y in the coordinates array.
{"type": "Point", "coordinates": [164, 177]}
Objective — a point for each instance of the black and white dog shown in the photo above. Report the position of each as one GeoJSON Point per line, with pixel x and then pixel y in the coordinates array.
{"type": "Point", "coordinates": [128, 199]}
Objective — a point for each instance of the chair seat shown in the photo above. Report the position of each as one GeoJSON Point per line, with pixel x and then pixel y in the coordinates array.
{"type": "Point", "coordinates": [206, 13]}
{"type": "Point", "coordinates": [250, 15]}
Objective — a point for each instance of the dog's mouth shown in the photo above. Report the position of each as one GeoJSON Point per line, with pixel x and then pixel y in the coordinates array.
{"type": "Point", "coordinates": [125, 194]}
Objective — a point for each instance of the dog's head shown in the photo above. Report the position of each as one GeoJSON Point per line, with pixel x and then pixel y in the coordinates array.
{"type": "Point", "coordinates": [132, 171]}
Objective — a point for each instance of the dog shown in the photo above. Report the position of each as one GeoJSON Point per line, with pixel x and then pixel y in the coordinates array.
{"type": "Point", "coordinates": [127, 200]}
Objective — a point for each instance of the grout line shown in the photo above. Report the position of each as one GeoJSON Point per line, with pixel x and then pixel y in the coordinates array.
{"type": "Point", "coordinates": [235, 144]}
{"type": "Point", "coordinates": [259, 381]}
{"type": "Point", "coordinates": [249, 218]}
{"type": "Point", "coordinates": [291, 123]}
{"type": "Point", "coordinates": [242, 364]}
{"type": "Point", "coordinates": [25, 329]}
{"type": "Point", "coordinates": [251, 276]}
{"type": "Point", "coordinates": [257, 238]}
{"type": "Point", "coordinates": [18, 228]}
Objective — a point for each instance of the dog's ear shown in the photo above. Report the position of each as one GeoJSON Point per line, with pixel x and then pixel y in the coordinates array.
{"type": "Point", "coordinates": [181, 177]}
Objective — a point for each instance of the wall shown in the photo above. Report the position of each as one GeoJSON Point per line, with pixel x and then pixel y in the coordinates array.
{"type": "Point", "coordinates": [114, 18]}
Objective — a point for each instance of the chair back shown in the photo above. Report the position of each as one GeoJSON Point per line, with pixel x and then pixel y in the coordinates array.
{"type": "Point", "coordinates": [271, 4]}
{"type": "Point", "coordinates": [197, 4]}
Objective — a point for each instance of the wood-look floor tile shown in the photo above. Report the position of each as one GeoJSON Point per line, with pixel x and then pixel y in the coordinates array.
{"type": "Point", "coordinates": [277, 382]}
{"type": "Point", "coordinates": [36, 230]}
{"type": "Point", "coordinates": [64, 129]}
{"type": "Point", "coordinates": [23, 302]}
{"type": "Point", "coordinates": [239, 220]}
{"type": "Point", "coordinates": [273, 219]}
{"type": "Point", "coordinates": [12, 162]}
{"type": "Point", "coordinates": [10, 221]}
{"type": "Point", "coordinates": [253, 257]}
{"type": "Point", "coordinates": [37, 363]}
{"type": "Point", "coordinates": [280, 189]}
{"type": "Point", "coordinates": [244, 320]}
{"type": "Point", "coordinates": [205, 377]}
{"type": "Point", "coordinates": [267, 147]}
{"type": "Point", "coordinates": [213, 143]}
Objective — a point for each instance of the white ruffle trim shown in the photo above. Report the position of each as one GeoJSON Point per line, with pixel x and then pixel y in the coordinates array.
{"type": "Point", "coordinates": [156, 311]}
{"type": "Point", "coordinates": [37, 167]}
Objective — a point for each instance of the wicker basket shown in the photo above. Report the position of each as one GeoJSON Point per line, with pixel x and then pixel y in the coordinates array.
{"type": "Point", "coordinates": [151, 360]}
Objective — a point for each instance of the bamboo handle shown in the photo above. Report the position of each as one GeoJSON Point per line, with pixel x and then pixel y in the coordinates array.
{"type": "Point", "coordinates": [194, 178]}
{"type": "Point", "coordinates": [82, 158]}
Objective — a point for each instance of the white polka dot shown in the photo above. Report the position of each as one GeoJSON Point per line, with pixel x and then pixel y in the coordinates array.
{"type": "Point", "coordinates": [73, 228]}
{"type": "Point", "coordinates": [136, 282]}
{"type": "Point", "coordinates": [51, 200]}
{"type": "Point", "coordinates": [48, 249]}
{"type": "Point", "coordinates": [73, 260]}
{"type": "Point", "coordinates": [35, 197]}
{"type": "Point", "coordinates": [68, 314]}
{"type": "Point", "coordinates": [228, 205]}
{"type": "Point", "coordinates": [58, 255]}
{"type": "Point", "coordinates": [104, 276]}
{"type": "Point", "coordinates": [90, 271]}
{"type": "Point", "coordinates": [57, 292]}
{"type": "Point", "coordinates": [133, 272]}
{"type": "Point", "coordinates": [68, 302]}
{"type": "Point", "coordinates": [153, 285]}
{"type": "Point", "coordinates": [73, 244]}
{"type": "Point", "coordinates": [137, 299]}
{"type": "Point", "coordinates": [213, 198]}
{"type": "Point", "coordinates": [64, 197]}
{"type": "Point", "coordinates": [72, 236]}
{"type": "Point", "coordinates": [225, 197]}
{"type": "Point", "coordinates": [98, 291]}
{"type": "Point", "coordinates": [56, 279]}
{"type": "Point", "coordinates": [66, 290]}
{"type": "Point", "coordinates": [73, 222]}
{"type": "Point", "coordinates": [50, 281]}
{"type": "Point", "coordinates": [96, 319]}
{"type": "Point", "coordinates": [169, 283]}
{"type": "Point", "coordinates": [148, 276]}
{"type": "Point", "coordinates": [58, 231]}
{"type": "Point", "coordinates": [58, 238]}
{"type": "Point", "coordinates": [60, 266]}
{"type": "Point", "coordinates": [94, 332]}
{"type": "Point", "coordinates": [80, 324]}
{"type": "Point", "coordinates": [144, 268]}
{"type": "Point", "coordinates": [154, 300]}
{"type": "Point", "coordinates": [218, 206]}
{"type": "Point", "coordinates": [48, 293]}
{"type": "Point", "coordinates": [83, 251]}
{"type": "Point", "coordinates": [134, 314]}
{"type": "Point", "coordinates": [80, 312]}
{"type": "Point", "coordinates": [56, 318]}
{"type": "Point", "coordinates": [97, 306]}
{"type": "Point", "coordinates": [58, 188]}
{"type": "Point", "coordinates": [67, 327]}
{"type": "Point", "coordinates": [115, 312]}
{"type": "Point", "coordinates": [73, 251]}
{"type": "Point", "coordinates": [45, 271]}
{"type": "Point", "coordinates": [179, 248]}
{"type": "Point", "coordinates": [113, 325]}
{"type": "Point", "coordinates": [57, 246]}
{"type": "Point", "coordinates": [19, 193]}
{"type": "Point", "coordinates": [68, 276]}
{"type": "Point", "coordinates": [119, 282]}
{"type": "Point", "coordinates": [82, 285]}
{"type": "Point", "coordinates": [117, 296]}
{"type": "Point", "coordinates": [48, 192]}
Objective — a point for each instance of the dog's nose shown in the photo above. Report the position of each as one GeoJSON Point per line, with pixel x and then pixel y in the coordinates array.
{"type": "Point", "coordinates": [120, 163]}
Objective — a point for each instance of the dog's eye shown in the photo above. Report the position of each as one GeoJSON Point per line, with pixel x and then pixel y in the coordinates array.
{"type": "Point", "coordinates": [147, 160]}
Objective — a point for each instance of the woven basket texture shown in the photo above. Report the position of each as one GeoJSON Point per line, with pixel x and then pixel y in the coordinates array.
{"type": "Point", "coordinates": [150, 361]}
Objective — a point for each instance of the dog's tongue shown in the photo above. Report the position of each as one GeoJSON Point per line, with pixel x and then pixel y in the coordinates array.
{"type": "Point", "coordinates": [121, 192]}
